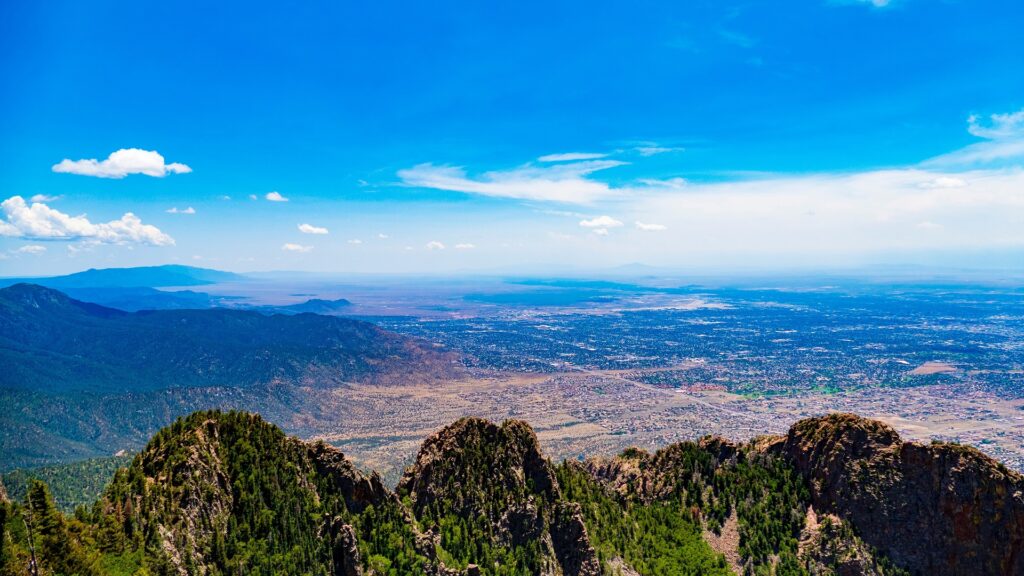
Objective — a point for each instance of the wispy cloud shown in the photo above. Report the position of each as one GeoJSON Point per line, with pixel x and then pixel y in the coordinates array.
{"type": "Point", "coordinates": [122, 163]}
{"type": "Point", "coordinates": [435, 245]}
{"type": "Point", "coordinates": [873, 3]}
{"type": "Point", "coordinates": [293, 247]}
{"type": "Point", "coordinates": [310, 229]}
{"type": "Point", "coordinates": [943, 182]}
{"type": "Point", "coordinates": [1004, 141]}
{"type": "Point", "coordinates": [601, 222]}
{"type": "Point", "coordinates": [40, 222]}
{"type": "Point", "coordinates": [655, 150]}
{"type": "Point", "coordinates": [33, 249]}
{"type": "Point", "coordinates": [465, 246]}
{"type": "Point", "coordinates": [571, 156]}
{"type": "Point", "coordinates": [671, 183]}
{"type": "Point", "coordinates": [737, 38]}
{"type": "Point", "coordinates": [175, 210]}
{"type": "Point", "coordinates": [999, 126]}
{"type": "Point", "coordinates": [565, 183]}
{"type": "Point", "coordinates": [355, 241]}
{"type": "Point", "coordinates": [44, 198]}
{"type": "Point", "coordinates": [275, 197]}
{"type": "Point", "coordinates": [647, 227]}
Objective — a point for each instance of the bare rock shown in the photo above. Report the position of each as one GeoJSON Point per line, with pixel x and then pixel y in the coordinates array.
{"type": "Point", "coordinates": [932, 509]}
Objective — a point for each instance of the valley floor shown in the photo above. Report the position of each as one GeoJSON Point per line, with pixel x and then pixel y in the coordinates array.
{"type": "Point", "coordinates": [603, 412]}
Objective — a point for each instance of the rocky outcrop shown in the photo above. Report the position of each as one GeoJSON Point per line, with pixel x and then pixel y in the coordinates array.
{"type": "Point", "coordinates": [829, 547]}
{"type": "Point", "coordinates": [572, 546]}
{"type": "Point", "coordinates": [345, 551]}
{"type": "Point", "coordinates": [932, 509]}
{"type": "Point", "coordinates": [479, 470]}
{"type": "Point", "coordinates": [837, 496]}
{"type": "Point", "coordinates": [472, 452]}
{"type": "Point", "coordinates": [358, 489]}
{"type": "Point", "coordinates": [649, 477]}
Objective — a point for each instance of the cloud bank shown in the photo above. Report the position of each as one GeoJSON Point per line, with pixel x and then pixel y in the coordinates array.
{"type": "Point", "coordinates": [40, 222]}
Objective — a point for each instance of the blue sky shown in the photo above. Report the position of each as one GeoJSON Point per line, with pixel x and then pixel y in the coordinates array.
{"type": "Point", "coordinates": [688, 135]}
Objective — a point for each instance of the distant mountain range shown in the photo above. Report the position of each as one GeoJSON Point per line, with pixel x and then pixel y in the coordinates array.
{"type": "Point", "coordinates": [134, 289]}
{"type": "Point", "coordinates": [137, 288]}
{"type": "Point", "coordinates": [228, 493]}
{"type": "Point", "coordinates": [75, 372]}
{"type": "Point", "coordinates": [139, 277]}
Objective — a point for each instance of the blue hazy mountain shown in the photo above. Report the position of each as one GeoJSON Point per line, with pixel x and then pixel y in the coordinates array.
{"type": "Point", "coordinates": [144, 276]}
{"type": "Point", "coordinates": [80, 379]}
{"type": "Point", "coordinates": [51, 342]}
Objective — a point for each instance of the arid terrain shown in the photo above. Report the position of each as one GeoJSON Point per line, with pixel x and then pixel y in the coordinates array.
{"type": "Point", "coordinates": [602, 412]}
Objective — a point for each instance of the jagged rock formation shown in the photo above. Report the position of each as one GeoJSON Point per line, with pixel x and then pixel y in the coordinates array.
{"type": "Point", "coordinates": [478, 477]}
{"type": "Point", "coordinates": [932, 509]}
{"type": "Point", "coordinates": [829, 547]}
{"type": "Point", "coordinates": [227, 493]}
{"type": "Point", "coordinates": [218, 488]}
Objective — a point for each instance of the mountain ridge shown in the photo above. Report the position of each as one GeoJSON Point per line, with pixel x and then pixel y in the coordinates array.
{"type": "Point", "coordinates": [218, 493]}
{"type": "Point", "coordinates": [136, 277]}
{"type": "Point", "coordinates": [82, 380]}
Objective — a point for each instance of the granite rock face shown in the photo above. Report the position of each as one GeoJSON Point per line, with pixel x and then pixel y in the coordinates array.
{"type": "Point", "coordinates": [932, 509]}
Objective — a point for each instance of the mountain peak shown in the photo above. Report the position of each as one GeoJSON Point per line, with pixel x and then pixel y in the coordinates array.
{"type": "Point", "coordinates": [494, 478]}
{"type": "Point", "coordinates": [141, 276]}
{"type": "Point", "coordinates": [34, 298]}
{"type": "Point", "coordinates": [863, 471]}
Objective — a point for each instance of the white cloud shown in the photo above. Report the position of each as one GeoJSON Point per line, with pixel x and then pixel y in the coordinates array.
{"type": "Point", "coordinates": [174, 210]}
{"type": "Point", "coordinates": [310, 229]}
{"type": "Point", "coordinates": [292, 247]}
{"type": "Point", "coordinates": [1000, 126]}
{"type": "Point", "coordinates": [855, 213]}
{"type": "Point", "coordinates": [465, 246]}
{"type": "Point", "coordinates": [571, 157]}
{"type": "Point", "coordinates": [223, 197]}
{"type": "Point", "coordinates": [41, 222]}
{"type": "Point", "coordinates": [601, 222]}
{"type": "Point", "coordinates": [1004, 140]}
{"type": "Point", "coordinates": [44, 198]}
{"type": "Point", "coordinates": [382, 236]}
{"type": "Point", "coordinates": [252, 197]}
{"type": "Point", "coordinates": [674, 183]}
{"type": "Point", "coordinates": [275, 197]}
{"type": "Point", "coordinates": [929, 225]}
{"type": "Point", "coordinates": [650, 227]}
{"type": "Point", "coordinates": [355, 241]}
{"type": "Point", "coordinates": [943, 182]}
{"type": "Point", "coordinates": [565, 183]}
{"type": "Point", "coordinates": [122, 163]}
{"type": "Point", "coordinates": [31, 249]}
{"type": "Point", "coordinates": [601, 231]}
{"type": "Point", "coordinates": [655, 150]}
{"type": "Point", "coordinates": [434, 245]}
